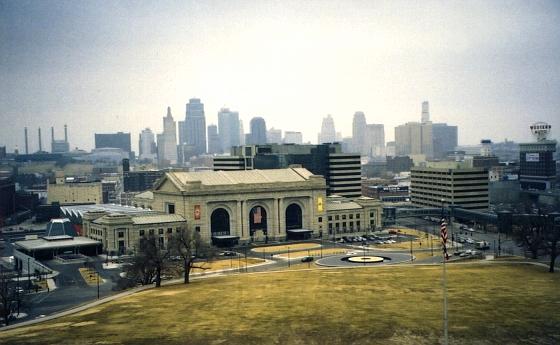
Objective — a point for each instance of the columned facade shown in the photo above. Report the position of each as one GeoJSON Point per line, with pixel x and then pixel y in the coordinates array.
{"type": "Point", "coordinates": [259, 204]}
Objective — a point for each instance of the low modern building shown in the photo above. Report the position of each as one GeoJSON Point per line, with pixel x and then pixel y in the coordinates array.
{"type": "Point", "coordinates": [452, 185]}
{"type": "Point", "coordinates": [59, 239]}
{"type": "Point", "coordinates": [227, 207]}
{"type": "Point", "coordinates": [356, 216]}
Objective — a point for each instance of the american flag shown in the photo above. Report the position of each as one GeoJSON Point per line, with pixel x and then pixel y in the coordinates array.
{"type": "Point", "coordinates": [443, 234]}
{"type": "Point", "coordinates": [257, 215]}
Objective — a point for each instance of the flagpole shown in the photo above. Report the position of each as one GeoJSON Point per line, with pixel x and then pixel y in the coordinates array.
{"type": "Point", "coordinates": [444, 280]}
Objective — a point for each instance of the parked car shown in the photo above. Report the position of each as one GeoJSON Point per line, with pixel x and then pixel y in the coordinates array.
{"type": "Point", "coordinates": [228, 253]}
{"type": "Point", "coordinates": [307, 259]}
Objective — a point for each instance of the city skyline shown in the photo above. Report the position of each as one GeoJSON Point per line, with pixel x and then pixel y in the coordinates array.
{"type": "Point", "coordinates": [492, 69]}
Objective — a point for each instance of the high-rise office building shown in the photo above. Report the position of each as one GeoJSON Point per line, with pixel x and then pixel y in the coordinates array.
{"type": "Point", "coordinates": [195, 126]}
{"type": "Point", "coordinates": [147, 145]}
{"type": "Point", "coordinates": [167, 141]}
{"type": "Point", "coordinates": [425, 112]}
{"type": "Point", "coordinates": [182, 132]}
{"type": "Point", "coordinates": [274, 136]}
{"type": "Point", "coordinates": [342, 171]}
{"type": "Point", "coordinates": [214, 144]}
{"type": "Point", "coordinates": [328, 132]}
{"type": "Point", "coordinates": [375, 140]}
{"type": "Point", "coordinates": [359, 133]}
{"type": "Point", "coordinates": [228, 129]}
{"type": "Point", "coordinates": [257, 136]}
{"type": "Point", "coordinates": [444, 139]}
{"type": "Point", "coordinates": [113, 140]}
{"type": "Point", "coordinates": [415, 138]}
{"type": "Point", "coordinates": [241, 133]}
{"type": "Point", "coordinates": [291, 137]}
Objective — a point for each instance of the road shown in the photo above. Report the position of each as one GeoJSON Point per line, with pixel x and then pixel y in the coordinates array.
{"type": "Point", "coordinates": [498, 242]}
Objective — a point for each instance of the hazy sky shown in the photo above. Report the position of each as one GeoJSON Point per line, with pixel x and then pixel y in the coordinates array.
{"type": "Point", "coordinates": [490, 67]}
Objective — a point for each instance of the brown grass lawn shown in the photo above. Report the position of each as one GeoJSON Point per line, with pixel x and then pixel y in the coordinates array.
{"type": "Point", "coordinates": [488, 304]}
{"type": "Point", "coordinates": [232, 262]}
{"type": "Point", "coordinates": [282, 248]}
{"type": "Point", "coordinates": [90, 276]}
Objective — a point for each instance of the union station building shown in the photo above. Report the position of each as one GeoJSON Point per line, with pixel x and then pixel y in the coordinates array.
{"type": "Point", "coordinates": [230, 207]}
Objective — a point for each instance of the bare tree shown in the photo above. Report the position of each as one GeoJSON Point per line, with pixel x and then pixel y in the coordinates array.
{"type": "Point", "coordinates": [189, 246]}
{"type": "Point", "coordinates": [552, 239]}
{"type": "Point", "coordinates": [10, 295]}
{"type": "Point", "coordinates": [149, 262]}
{"type": "Point", "coordinates": [530, 233]}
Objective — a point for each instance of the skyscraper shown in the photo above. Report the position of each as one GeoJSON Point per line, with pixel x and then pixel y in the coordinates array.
{"type": "Point", "coordinates": [147, 145]}
{"type": "Point", "coordinates": [359, 133]}
{"type": "Point", "coordinates": [195, 126]}
{"type": "Point", "coordinates": [291, 137]}
{"type": "Point", "coordinates": [328, 132]}
{"type": "Point", "coordinates": [241, 133]}
{"type": "Point", "coordinates": [167, 141]}
{"type": "Point", "coordinates": [414, 138]}
{"type": "Point", "coordinates": [274, 136]}
{"type": "Point", "coordinates": [425, 112]}
{"type": "Point", "coordinates": [375, 140]}
{"type": "Point", "coordinates": [182, 130]}
{"type": "Point", "coordinates": [214, 144]}
{"type": "Point", "coordinates": [257, 136]}
{"type": "Point", "coordinates": [445, 139]}
{"type": "Point", "coordinates": [228, 129]}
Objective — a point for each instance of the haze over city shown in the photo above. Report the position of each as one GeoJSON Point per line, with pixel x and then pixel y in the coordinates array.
{"type": "Point", "coordinates": [491, 68]}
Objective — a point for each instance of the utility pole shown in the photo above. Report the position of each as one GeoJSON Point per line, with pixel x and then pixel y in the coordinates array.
{"type": "Point", "coordinates": [444, 280]}
{"type": "Point", "coordinates": [97, 284]}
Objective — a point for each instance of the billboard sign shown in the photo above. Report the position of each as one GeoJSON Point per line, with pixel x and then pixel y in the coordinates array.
{"type": "Point", "coordinates": [531, 157]}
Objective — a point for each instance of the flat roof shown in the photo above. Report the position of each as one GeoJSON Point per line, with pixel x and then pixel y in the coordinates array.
{"type": "Point", "coordinates": [78, 211]}
{"type": "Point", "coordinates": [42, 244]}
{"type": "Point", "coordinates": [235, 177]}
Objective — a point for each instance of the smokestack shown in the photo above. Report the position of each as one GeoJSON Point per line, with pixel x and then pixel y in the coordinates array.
{"type": "Point", "coordinates": [26, 141]}
{"type": "Point", "coordinates": [65, 133]}
{"type": "Point", "coordinates": [52, 134]}
{"type": "Point", "coordinates": [40, 142]}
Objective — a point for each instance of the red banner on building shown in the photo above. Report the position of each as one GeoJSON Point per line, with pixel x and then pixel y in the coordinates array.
{"type": "Point", "coordinates": [196, 212]}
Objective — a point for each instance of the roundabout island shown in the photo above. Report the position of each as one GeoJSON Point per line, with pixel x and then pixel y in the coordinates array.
{"type": "Point", "coordinates": [369, 259]}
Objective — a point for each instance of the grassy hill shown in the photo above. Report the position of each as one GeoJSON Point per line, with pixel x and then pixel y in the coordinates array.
{"type": "Point", "coordinates": [488, 304]}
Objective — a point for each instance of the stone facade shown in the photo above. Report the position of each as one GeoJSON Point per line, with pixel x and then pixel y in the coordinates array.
{"type": "Point", "coordinates": [121, 233]}
{"type": "Point", "coordinates": [358, 216]}
{"type": "Point", "coordinates": [258, 204]}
